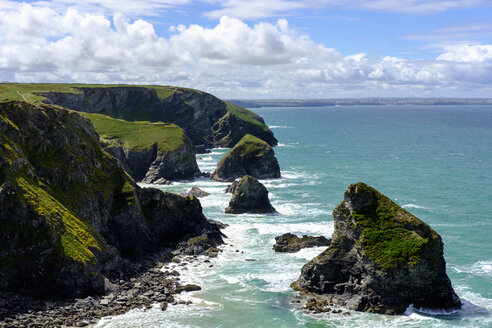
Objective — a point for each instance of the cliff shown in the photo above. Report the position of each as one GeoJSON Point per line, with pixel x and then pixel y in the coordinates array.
{"type": "Point", "coordinates": [381, 259]}
{"type": "Point", "coordinates": [149, 152]}
{"type": "Point", "coordinates": [206, 119]}
{"type": "Point", "coordinates": [250, 156]}
{"type": "Point", "coordinates": [68, 209]}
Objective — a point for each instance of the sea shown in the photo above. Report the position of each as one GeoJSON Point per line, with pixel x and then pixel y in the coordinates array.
{"type": "Point", "coordinates": [434, 161]}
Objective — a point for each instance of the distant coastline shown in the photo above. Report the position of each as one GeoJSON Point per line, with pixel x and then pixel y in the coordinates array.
{"type": "Point", "coordinates": [257, 103]}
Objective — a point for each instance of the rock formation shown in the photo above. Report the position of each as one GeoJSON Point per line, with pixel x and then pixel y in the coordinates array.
{"type": "Point", "coordinates": [381, 259]}
{"type": "Point", "coordinates": [68, 209]}
{"type": "Point", "coordinates": [230, 188]}
{"type": "Point", "coordinates": [196, 192]}
{"type": "Point", "coordinates": [250, 156]}
{"type": "Point", "coordinates": [250, 196]}
{"type": "Point", "coordinates": [207, 120]}
{"type": "Point", "coordinates": [290, 243]}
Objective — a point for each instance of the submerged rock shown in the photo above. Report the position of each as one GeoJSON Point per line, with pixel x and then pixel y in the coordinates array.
{"type": "Point", "coordinates": [381, 259]}
{"type": "Point", "coordinates": [290, 243]}
{"type": "Point", "coordinates": [250, 196]}
{"type": "Point", "coordinates": [250, 156]}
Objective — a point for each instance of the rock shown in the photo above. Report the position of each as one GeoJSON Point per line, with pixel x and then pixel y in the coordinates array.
{"type": "Point", "coordinates": [187, 288]}
{"type": "Point", "coordinates": [197, 192]}
{"type": "Point", "coordinates": [163, 306]}
{"type": "Point", "coordinates": [381, 259]}
{"type": "Point", "coordinates": [210, 237]}
{"type": "Point", "coordinates": [250, 156]}
{"type": "Point", "coordinates": [250, 196]}
{"type": "Point", "coordinates": [232, 187]}
{"type": "Point", "coordinates": [82, 323]}
{"type": "Point", "coordinates": [290, 243]}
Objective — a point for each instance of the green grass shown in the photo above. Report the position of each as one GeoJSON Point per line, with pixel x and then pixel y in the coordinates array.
{"type": "Point", "coordinates": [391, 236]}
{"type": "Point", "coordinates": [244, 114]}
{"type": "Point", "coordinates": [33, 92]}
{"type": "Point", "coordinates": [137, 135]}
{"type": "Point", "coordinates": [248, 144]}
{"type": "Point", "coordinates": [75, 237]}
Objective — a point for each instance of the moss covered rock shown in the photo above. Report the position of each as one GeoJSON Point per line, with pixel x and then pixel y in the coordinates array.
{"type": "Point", "coordinates": [381, 258]}
{"type": "Point", "coordinates": [68, 211]}
{"type": "Point", "coordinates": [250, 196]}
{"type": "Point", "coordinates": [250, 156]}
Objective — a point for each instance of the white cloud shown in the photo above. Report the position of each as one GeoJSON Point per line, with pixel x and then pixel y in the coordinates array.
{"type": "Point", "coordinates": [249, 9]}
{"type": "Point", "coordinates": [232, 59]}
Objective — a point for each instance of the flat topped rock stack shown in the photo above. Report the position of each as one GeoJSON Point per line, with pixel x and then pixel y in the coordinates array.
{"type": "Point", "coordinates": [250, 156]}
{"type": "Point", "coordinates": [381, 259]}
{"type": "Point", "coordinates": [290, 243]}
{"type": "Point", "coordinates": [250, 196]}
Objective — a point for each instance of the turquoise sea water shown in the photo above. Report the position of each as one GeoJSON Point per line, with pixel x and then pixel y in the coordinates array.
{"type": "Point", "coordinates": [435, 161]}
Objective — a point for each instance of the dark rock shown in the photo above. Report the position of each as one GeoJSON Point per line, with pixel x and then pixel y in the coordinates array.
{"type": "Point", "coordinates": [381, 259]}
{"type": "Point", "coordinates": [232, 187]}
{"type": "Point", "coordinates": [197, 192]}
{"type": "Point", "coordinates": [250, 156]}
{"type": "Point", "coordinates": [290, 243]}
{"type": "Point", "coordinates": [210, 237]}
{"type": "Point", "coordinates": [187, 288]}
{"type": "Point", "coordinates": [250, 196]}
{"type": "Point", "coordinates": [163, 306]}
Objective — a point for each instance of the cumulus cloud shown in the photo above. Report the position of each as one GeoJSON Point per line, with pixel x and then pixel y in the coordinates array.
{"type": "Point", "coordinates": [231, 59]}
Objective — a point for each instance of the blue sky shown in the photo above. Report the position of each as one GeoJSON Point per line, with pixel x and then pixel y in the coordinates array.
{"type": "Point", "coordinates": [255, 49]}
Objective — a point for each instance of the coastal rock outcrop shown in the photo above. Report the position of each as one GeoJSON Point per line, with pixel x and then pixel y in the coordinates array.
{"type": "Point", "coordinates": [68, 210]}
{"type": "Point", "coordinates": [196, 192]}
{"type": "Point", "coordinates": [250, 196]}
{"type": "Point", "coordinates": [207, 120]}
{"type": "Point", "coordinates": [381, 259]}
{"type": "Point", "coordinates": [250, 156]}
{"type": "Point", "coordinates": [290, 243]}
{"type": "Point", "coordinates": [149, 152]}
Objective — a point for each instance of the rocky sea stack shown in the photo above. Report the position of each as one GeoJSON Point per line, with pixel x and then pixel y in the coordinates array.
{"type": "Point", "coordinates": [250, 156]}
{"type": "Point", "coordinates": [381, 259]}
{"type": "Point", "coordinates": [250, 196]}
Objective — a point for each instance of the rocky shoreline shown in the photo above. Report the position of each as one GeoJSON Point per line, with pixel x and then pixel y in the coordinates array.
{"type": "Point", "coordinates": [137, 285]}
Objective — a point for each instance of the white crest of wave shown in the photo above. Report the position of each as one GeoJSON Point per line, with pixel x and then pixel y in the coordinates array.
{"type": "Point", "coordinates": [414, 206]}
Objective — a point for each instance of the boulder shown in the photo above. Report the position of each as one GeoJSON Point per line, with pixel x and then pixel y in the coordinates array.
{"type": "Point", "coordinates": [197, 192]}
{"type": "Point", "coordinates": [250, 196]}
{"type": "Point", "coordinates": [250, 156]}
{"type": "Point", "coordinates": [290, 243]}
{"type": "Point", "coordinates": [232, 187]}
{"type": "Point", "coordinates": [381, 259]}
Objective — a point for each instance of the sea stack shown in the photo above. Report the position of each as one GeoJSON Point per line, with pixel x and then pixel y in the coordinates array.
{"type": "Point", "coordinates": [250, 196]}
{"type": "Point", "coordinates": [381, 259]}
{"type": "Point", "coordinates": [250, 156]}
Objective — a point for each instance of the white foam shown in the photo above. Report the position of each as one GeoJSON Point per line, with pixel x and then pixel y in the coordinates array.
{"type": "Point", "coordinates": [325, 228]}
{"type": "Point", "coordinates": [415, 206]}
{"type": "Point", "coordinates": [280, 127]}
{"type": "Point", "coordinates": [481, 268]}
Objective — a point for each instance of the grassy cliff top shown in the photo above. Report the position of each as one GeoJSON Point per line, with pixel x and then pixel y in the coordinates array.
{"type": "Point", "coordinates": [137, 135]}
{"type": "Point", "coordinates": [391, 236]}
{"type": "Point", "coordinates": [33, 92]}
{"type": "Point", "coordinates": [244, 114]}
{"type": "Point", "coordinates": [250, 144]}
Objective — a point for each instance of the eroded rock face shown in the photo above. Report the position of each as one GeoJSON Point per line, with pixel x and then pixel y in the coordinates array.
{"type": "Point", "coordinates": [68, 211]}
{"type": "Point", "coordinates": [250, 196]}
{"type": "Point", "coordinates": [250, 156]}
{"type": "Point", "coordinates": [290, 243]}
{"type": "Point", "coordinates": [381, 259]}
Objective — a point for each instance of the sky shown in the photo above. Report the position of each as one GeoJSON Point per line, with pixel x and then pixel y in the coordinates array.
{"type": "Point", "coordinates": [256, 49]}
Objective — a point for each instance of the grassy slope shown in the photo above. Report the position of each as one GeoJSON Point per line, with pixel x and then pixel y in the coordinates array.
{"type": "Point", "coordinates": [137, 135]}
{"type": "Point", "coordinates": [32, 92]}
{"type": "Point", "coordinates": [245, 115]}
{"type": "Point", "coordinates": [392, 236]}
{"type": "Point", "coordinates": [248, 144]}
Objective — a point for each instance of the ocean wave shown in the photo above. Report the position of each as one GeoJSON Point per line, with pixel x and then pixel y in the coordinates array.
{"type": "Point", "coordinates": [481, 268]}
{"type": "Point", "coordinates": [280, 127]}
{"type": "Point", "coordinates": [415, 206]}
